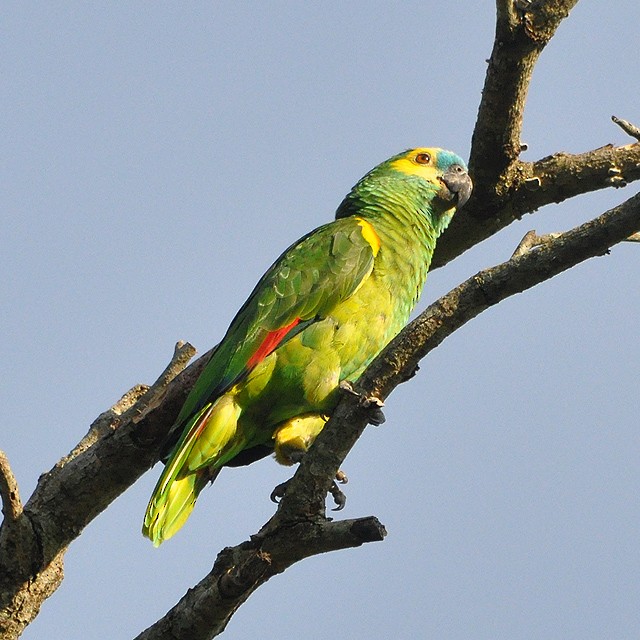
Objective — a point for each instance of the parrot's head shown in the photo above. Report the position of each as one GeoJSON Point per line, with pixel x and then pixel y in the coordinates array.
{"type": "Point", "coordinates": [443, 173]}
{"type": "Point", "coordinates": [429, 180]}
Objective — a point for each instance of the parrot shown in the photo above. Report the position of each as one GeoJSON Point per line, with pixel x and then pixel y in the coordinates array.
{"type": "Point", "coordinates": [315, 320]}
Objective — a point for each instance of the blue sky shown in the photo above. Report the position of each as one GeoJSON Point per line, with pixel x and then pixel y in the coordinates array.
{"type": "Point", "coordinates": [158, 157]}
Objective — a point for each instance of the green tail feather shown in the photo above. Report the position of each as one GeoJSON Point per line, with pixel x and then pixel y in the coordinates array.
{"type": "Point", "coordinates": [209, 440]}
{"type": "Point", "coordinates": [169, 510]}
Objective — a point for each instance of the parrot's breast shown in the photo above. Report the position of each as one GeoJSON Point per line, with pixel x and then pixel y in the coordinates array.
{"type": "Point", "coordinates": [303, 374]}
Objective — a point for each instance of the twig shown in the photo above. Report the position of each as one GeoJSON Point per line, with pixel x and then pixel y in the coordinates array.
{"type": "Point", "coordinates": [627, 127]}
{"type": "Point", "coordinates": [531, 240]}
{"type": "Point", "coordinates": [11, 503]}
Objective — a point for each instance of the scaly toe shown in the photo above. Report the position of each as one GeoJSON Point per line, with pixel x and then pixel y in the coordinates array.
{"type": "Point", "coordinates": [376, 417]}
{"type": "Point", "coordinates": [278, 493]}
{"type": "Point", "coordinates": [347, 387]}
{"type": "Point", "coordinates": [338, 497]}
{"type": "Point", "coordinates": [373, 403]}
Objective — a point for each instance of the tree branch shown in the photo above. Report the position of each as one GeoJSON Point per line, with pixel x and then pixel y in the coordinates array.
{"type": "Point", "coordinates": [11, 503]}
{"type": "Point", "coordinates": [627, 127]}
{"type": "Point", "coordinates": [505, 188]}
{"type": "Point", "coordinates": [205, 610]}
{"type": "Point", "coordinates": [120, 446]}
{"type": "Point", "coordinates": [521, 35]}
{"type": "Point", "coordinates": [299, 529]}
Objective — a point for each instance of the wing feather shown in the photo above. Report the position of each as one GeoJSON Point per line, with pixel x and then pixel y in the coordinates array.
{"type": "Point", "coordinates": [303, 285]}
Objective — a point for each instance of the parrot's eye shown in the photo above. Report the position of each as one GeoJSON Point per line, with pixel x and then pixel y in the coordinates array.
{"type": "Point", "coordinates": [423, 158]}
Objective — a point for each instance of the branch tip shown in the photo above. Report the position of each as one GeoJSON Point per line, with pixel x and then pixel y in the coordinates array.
{"type": "Point", "coordinates": [531, 240]}
{"type": "Point", "coordinates": [627, 127]}
{"type": "Point", "coordinates": [11, 503]}
{"type": "Point", "coordinates": [182, 353]}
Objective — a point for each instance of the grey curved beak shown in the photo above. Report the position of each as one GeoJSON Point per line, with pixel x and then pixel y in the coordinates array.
{"type": "Point", "coordinates": [457, 180]}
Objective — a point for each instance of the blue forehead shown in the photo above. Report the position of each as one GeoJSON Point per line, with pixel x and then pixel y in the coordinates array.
{"type": "Point", "coordinates": [448, 158]}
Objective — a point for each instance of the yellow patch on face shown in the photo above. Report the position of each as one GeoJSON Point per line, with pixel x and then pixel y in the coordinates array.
{"type": "Point", "coordinates": [370, 235]}
{"type": "Point", "coordinates": [419, 162]}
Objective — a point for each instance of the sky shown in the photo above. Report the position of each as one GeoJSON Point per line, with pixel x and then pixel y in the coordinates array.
{"type": "Point", "coordinates": [157, 157]}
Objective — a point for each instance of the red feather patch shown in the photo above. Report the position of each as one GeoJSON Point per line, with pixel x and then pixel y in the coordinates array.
{"type": "Point", "coordinates": [269, 344]}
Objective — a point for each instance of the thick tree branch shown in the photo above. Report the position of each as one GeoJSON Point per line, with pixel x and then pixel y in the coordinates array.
{"type": "Point", "coordinates": [205, 610]}
{"type": "Point", "coordinates": [299, 528]}
{"type": "Point", "coordinates": [521, 35]}
{"type": "Point", "coordinates": [121, 445]}
{"type": "Point", "coordinates": [504, 187]}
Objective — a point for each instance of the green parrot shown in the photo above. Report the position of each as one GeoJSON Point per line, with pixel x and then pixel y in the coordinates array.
{"type": "Point", "coordinates": [315, 320]}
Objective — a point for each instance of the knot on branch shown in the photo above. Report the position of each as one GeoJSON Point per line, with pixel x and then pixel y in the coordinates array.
{"type": "Point", "coordinates": [540, 19]}
{"type": "Point", "coordinates": [243, 577]}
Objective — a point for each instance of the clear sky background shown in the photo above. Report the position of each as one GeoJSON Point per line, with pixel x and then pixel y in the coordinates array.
{"type": "Point", "coordinates": [157, 157]}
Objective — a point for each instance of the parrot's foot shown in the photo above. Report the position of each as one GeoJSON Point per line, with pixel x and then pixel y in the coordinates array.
{"type": "Point", "coordinates": [338, 496]}
{"type": "Point", "coordinates": [341, 477]}
{"type": "Point", "coordinates": [278, 493]}
{"type": "Point", "coordinates": [372, 403]}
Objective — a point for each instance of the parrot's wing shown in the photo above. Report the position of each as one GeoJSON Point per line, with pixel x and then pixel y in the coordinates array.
{"type": "Point", "coordinates": [306, 282]}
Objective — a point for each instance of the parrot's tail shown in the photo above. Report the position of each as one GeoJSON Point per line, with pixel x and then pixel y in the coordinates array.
{"type": "Point", "coordinates": [210, 439]}
{"type": "Point", "coordinates": [168, 512]}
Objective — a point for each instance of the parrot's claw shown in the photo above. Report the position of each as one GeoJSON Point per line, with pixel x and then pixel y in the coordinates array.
{"type": "Point", "coordinates": [338, 496]}
{"type": "Point", "coordinates": [278, 493]}
{"type": "Point", "coordinates": [373, 403]}
{"type": "Point", "coordinates": [376, 416]}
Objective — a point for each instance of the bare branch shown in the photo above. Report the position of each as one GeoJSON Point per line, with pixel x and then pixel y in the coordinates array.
{"type": "Point", "coordinates": [182, 353]}
{"type": "Point", "coordinates": [11, 503]}
{"type": "Point", "coordinates": [594, 238]}
{"type": "Point", "coordinates": [205, 610]}
{"type": "Point", "coordinates": [520, 37]}
{"type": "Point", "coordinates": [399, 361]}
{"type": "Point", "coordinates": [20, 590]}
{"type": "Point", "coordinates": [532, 240]}
{"type": "Point", "coordinates": [565, 175]}
{"type": "Point", "coordinates": [627, 127]}
{"type": "Point", "coordinates": [115, 452]}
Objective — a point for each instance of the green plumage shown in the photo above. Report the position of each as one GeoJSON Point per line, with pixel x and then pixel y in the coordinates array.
{"type": "Point", "coordinates": [318, 316]}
